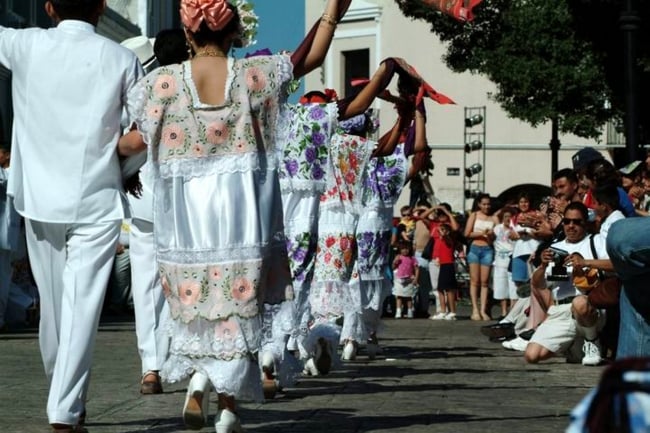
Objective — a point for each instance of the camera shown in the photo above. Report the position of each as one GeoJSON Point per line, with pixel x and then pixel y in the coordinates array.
{"type": "Point", "coordinates": [558, 271]}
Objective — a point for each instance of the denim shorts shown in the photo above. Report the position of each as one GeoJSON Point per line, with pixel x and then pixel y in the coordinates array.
{"type": "Point", "coordinates": [481, 255]}
{"type": "Point", "coordinates": [520, 271]}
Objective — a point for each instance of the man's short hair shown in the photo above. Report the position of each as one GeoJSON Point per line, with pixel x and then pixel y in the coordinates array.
{"type": "Point", "coordinates": [82, 10]}
{"type": "Point", "coordinates": [579, 206]}
{"type": "Point", "coordinates": [170, 47]}
{"type": "Point", "coordinates": [607, 194]}
{"type": "Point", "coordinates": [568, 173]}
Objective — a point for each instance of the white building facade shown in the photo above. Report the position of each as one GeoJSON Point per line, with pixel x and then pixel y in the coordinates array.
{"type": "Point", "coordinates": [515, 153]}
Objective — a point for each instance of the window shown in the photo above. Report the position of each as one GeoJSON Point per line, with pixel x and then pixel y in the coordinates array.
{"type": "Point", "coordinates": [356, 65]}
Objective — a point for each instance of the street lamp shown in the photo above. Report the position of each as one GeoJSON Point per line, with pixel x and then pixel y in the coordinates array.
{"type": "Point", "coordinates": [473, 145]}
{"type": "Point", "coordinates": [473, 120]}
{"type": "Point", "coordinates": [473, 169]}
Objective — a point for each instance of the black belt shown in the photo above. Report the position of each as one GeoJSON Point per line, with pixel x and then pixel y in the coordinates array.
{"type": "Point", "coordinates": [566, 300]}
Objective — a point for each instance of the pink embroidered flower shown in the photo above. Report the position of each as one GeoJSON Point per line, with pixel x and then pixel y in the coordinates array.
{"type": "Point", "coordinates": [330, 241]}
{"type": "Point", "coordinates": [215, 273]}
{"type": "Point", "coordinates": [165, 86]}
{"type": "Point", "coordinates": [217, 133]}
{"type": "Point", "coordinates": [350, 177]}
{"type": "Point", "coordinates": [154, 111]}
{"type": "Point", "coordinates": [226, 330]}
{"type": "Point", "coordinates": [189, 292]}
{"type": "Point", "coordinates": [173, 136]}
{"type": "Point", "coordinates": [344, 243]}
{"type": "Point", "coordinates": [328, 257]}
{"type": "Point", "coordinates": [197, 150]}
{"type": "Point", "coordinates": [240, 147]}
{"type": "Point", "coordinates": [242, 289]}
{"type": "Point", "coordinates": [255, 79]}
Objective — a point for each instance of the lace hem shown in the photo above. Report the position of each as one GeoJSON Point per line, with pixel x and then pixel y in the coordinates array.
{"type": "Point", "coordinates": [226, 340]}
{"type": "Point", "coordinates": [239, 378]}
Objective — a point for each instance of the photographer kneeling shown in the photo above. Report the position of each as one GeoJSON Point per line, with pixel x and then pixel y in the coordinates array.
{"type": "Point", "coordinates": [569, 313]}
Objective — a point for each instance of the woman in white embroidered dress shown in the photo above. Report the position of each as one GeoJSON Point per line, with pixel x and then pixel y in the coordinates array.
{"type": "Point", "coordinates": [209, 124]}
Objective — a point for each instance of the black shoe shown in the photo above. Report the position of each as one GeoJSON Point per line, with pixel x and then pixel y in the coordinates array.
{"type": "Point", "coordinates": [527, 334]}
{"type": "Point", "coordinates": [499, 339]}
{"type": "Point", "coordinates": [505, 329]}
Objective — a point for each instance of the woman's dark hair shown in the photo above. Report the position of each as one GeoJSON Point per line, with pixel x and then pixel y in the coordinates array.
{"type": "Point", "coordinates": [204, 35]}
{"type": "Point", "coordinates": [525, 195]}
{"type": "Point", "coordinates": [407, 85]}
{"type": "Point", "coordinates": [602, 172]}
{"type": "Point", "coordinates": [478, 199]}
{"type": "Point", "coordinates": [82, 10]}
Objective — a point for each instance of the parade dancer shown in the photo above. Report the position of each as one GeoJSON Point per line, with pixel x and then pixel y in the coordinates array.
{"type": "Point", "coordinates": [210, 126]}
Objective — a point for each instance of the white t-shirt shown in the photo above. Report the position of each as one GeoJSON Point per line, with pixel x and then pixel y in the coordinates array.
{"type": "Point", "coordinates": [611, 219]}
{"type": "Point", "coordinates": [564, 289]}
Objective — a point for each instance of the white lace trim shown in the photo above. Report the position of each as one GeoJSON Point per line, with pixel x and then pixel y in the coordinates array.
{"type": "Point", "coordinates": [231, 253]}
{"type": "Point", "coordinates": [314, 188]}
{"type": "Point", "coordinates": [188, 168]}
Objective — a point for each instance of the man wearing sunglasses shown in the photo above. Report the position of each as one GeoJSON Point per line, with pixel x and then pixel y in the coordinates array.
{"type": "Point", "coordinates": [569, 313]}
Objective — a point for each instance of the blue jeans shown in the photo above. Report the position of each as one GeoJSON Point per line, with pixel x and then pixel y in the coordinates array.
{"type": "Point", "coordinates": [628, 246]}
{"type": "Point", "coordinates": [483, 255]}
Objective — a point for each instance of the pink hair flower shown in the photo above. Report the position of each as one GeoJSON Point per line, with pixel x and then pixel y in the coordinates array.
{"type": "Point", "coordinates": [215, 13]}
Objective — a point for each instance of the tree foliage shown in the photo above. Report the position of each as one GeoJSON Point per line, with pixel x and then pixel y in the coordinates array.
{"type": "Point", "coordinates": [548, 61]}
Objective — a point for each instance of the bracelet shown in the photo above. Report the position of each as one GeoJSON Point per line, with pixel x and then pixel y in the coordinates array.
{"type": "Point", "coordinates": [328, 19]}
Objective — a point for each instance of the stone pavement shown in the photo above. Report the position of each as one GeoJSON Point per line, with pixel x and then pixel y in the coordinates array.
{"type": "Point", "coordinates": [434, 376]}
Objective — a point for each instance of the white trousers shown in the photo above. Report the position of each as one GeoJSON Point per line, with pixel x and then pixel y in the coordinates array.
{"type": "Point", "coordinates": [151, 310]}
{"type": "Point", "coordinates": [5, 282]}
{"type": "Point", "coordinates": [71, 264]}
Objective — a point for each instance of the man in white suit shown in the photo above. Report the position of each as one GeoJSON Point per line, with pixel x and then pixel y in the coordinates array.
{"type": "Point", "coordinates": [69, 87]}
{"type": "Point", "coordinates": [9, 231]}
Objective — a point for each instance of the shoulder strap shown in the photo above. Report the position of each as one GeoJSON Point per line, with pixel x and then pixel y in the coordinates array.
{"type": "Point", "coordinates": [593, 247]}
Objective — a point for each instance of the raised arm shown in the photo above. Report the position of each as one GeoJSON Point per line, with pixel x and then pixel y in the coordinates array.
{"type": "Point", "coordinates": [312, 51]}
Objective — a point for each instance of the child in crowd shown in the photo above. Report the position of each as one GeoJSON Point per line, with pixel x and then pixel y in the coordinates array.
{"type": "Point", "coordinates": [405, 281]}
{"type": "Point", "coordinates": [502, 285]}
{"type": "Point", "coordinates": [407, 221]}
{"type": "Point", "coordinates": [443, 254]}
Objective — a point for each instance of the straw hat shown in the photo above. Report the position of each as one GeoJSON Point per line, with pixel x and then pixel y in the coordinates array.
{"type": "Point", "coordinates": [142, 47]}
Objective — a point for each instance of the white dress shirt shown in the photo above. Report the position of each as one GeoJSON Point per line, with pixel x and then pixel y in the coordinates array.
{"type": "Point", "coordinates": [65, 166]}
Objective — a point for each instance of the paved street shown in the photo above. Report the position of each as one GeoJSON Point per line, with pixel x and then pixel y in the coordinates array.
{"type": "Point", "coordinates": [433, 376]}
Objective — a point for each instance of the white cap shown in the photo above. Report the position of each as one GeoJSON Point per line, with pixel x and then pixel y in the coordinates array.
{"type": "Point", "coordinates": [142, 47]}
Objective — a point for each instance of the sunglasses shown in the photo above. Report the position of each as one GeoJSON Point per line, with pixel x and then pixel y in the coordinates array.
{"type": "Point", "coordinates": [574, 221]}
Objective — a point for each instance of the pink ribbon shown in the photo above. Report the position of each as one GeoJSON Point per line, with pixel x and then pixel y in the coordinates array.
{"type": "Point", "coordinates": [215, 13]}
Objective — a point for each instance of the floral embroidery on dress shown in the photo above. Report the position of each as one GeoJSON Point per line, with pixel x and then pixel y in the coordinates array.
{"type": "Point", "coordinates": [301, 249]}
{"type": "Point", "coordinates": [373, 251]}
{"type": "Point", "coordinates": [384, 179]}
{"type": "Point", "coordinates": [305, 152]}
{"type": "Point", "coordinates": [349, 154]}
{"type": "Point", "coordinates": [191, 131]}
{"type": "Point", "coordinates": [336, 253]}
{"type": "Point", "coordinates": [211, 292]}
